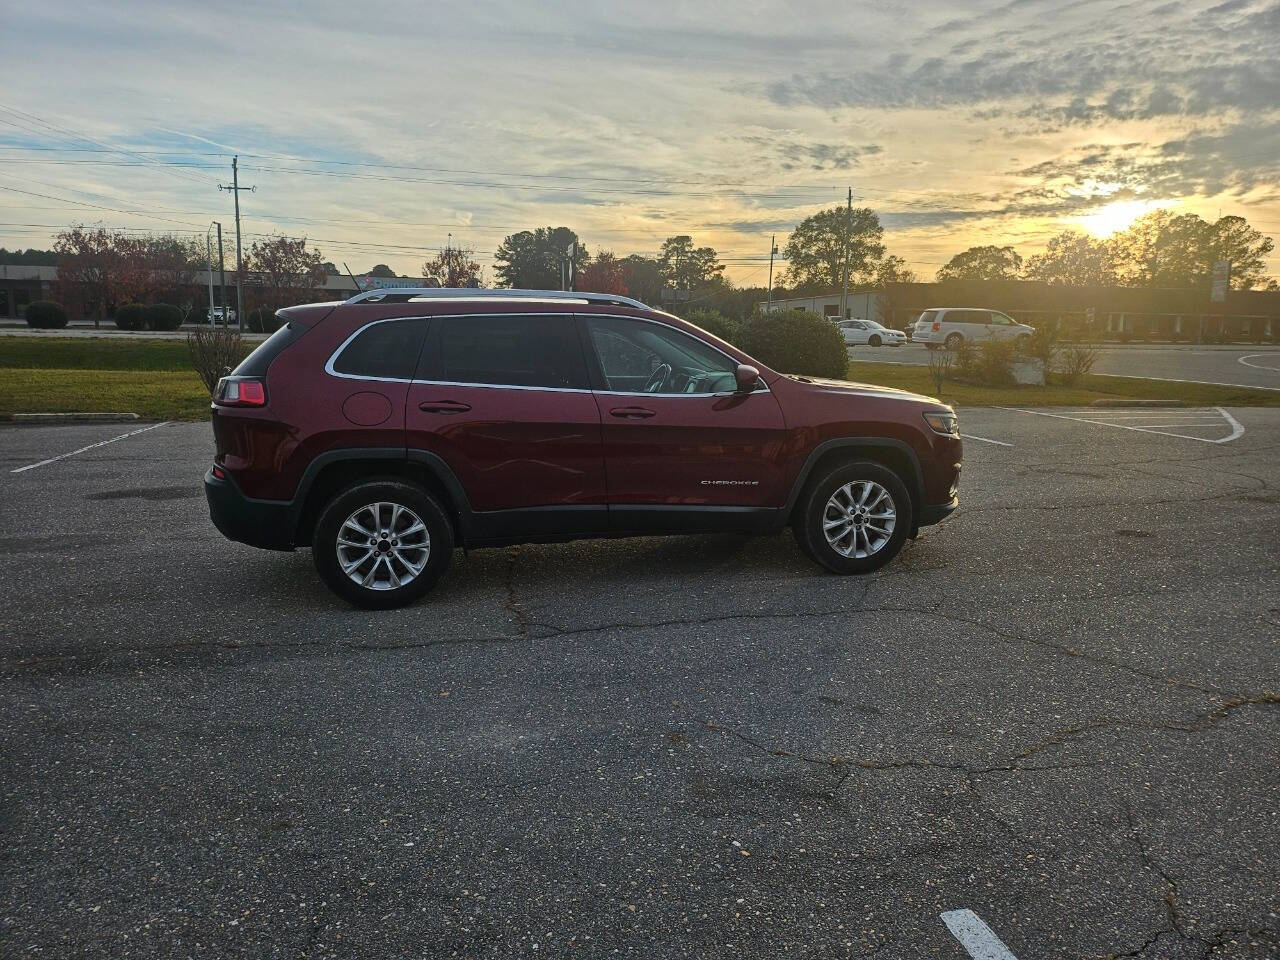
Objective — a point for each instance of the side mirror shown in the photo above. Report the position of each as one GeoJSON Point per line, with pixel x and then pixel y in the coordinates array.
{"type": "Point", "coordinates": [747, 377]}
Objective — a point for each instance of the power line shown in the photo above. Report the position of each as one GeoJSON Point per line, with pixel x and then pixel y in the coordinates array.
{"type": "Point", "coordinates": [428, 169]}
{"type": "Point", "coordinates": [24, 121]}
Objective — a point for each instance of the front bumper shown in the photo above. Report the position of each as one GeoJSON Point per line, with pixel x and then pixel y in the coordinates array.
{"type": "Point", "coordinates": [270, 524]}
{"type": "Point", "coordinates": [932, 513]}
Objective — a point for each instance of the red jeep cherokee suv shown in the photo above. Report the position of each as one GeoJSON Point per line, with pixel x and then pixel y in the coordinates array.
{"type": "Point", "coordinates": [386, 430]}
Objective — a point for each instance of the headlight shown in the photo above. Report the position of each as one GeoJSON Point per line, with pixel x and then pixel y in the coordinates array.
{"type": "Point", "coordinates": [943, 423]}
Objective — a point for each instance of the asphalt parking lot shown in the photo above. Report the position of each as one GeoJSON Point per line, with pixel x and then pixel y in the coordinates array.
{"type": "Point", "coordinates": [1237, 365]}
{"type": "Point", "coordinates": [1059, 710]}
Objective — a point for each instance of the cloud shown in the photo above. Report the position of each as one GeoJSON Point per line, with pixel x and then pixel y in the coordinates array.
{"type": "Point", "coordinates": [792, 155]}
{"type": "Point", "coordinates": [1108, 67]}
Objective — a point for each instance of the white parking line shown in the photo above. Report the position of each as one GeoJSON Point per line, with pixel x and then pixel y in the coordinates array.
{"type": "Point", "coordinates": [975, 936]}
{"type": "Point", "coordinates": [100, 443]}
{"type": "Point", "coordinates": [1258, 366]}
{"type": "Point", "coordinates": [1237, 430]}
{"type": "Point", "coordinates": [998, 443]}
{"type": "Point", "coordinates": [1206, 383]}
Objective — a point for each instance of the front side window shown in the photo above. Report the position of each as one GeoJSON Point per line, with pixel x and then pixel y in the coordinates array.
{"type": "Point", "coordinates": [640, 357]}
{"type": "Point", "coordinates": [530, 350]}
{"type": "Point", "coordinates": [1000, 318]}
{"type": "Point", "coordinates": [387, 350]}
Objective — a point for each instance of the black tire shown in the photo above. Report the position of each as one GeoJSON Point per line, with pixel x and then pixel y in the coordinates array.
{"type": "Point", "coordinates": [811, 513]}
{"type": "Point", "coordinates": [874, 340]}
{"type": "Point", "coordinates": [953, 341]}
{"type": "Point", "coordinates": [324, 547]}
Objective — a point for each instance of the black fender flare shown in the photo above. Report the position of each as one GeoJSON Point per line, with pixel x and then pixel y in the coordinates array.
{"type": "Point", "coordinates": [433, 463]}
{"type": "Point", "coordinates": [915, 482]}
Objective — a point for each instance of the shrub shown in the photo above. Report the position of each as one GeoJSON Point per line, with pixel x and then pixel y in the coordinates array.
{"type": "Point", "coordinates": [46, 315]}
{"type": "Point", "coordinates": [1077, 360]}
{"type": "Point", "coordinates": [794, 341]}
{"type": "Point", "coordinates": [1042, 346]}
{"type": "Point", "coordinates": [994, 366]}
{"type": "Point", "coordinates": [262, 320]}
{"type": "Point", "coordinates": [713, 321]}
{"type": "Point", "coordinates": [163, 316]}
{"type": "Point", "coordinates": [214, 352]}
{"type": "Point", "coordinates": [966, 359]}
{"type": "Point", "coordinates": [131, 316]}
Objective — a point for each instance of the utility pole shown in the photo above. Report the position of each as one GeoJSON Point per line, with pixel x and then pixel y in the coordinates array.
{"type": "Point", "coordinates": [235, 189]}
{"type": "Point", "coordinates": [222, 280]}
{"type": "Point", "coordinates": [848, 229]}
{"type": "Point", "coordinates": [773, 248]}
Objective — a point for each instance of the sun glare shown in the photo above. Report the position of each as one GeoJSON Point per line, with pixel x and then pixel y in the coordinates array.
{"type": "Point", "coordinates": [1114, 216]}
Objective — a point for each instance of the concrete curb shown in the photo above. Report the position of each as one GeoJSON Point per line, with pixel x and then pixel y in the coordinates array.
{"type": "Point", "coordinates": [1137, 403]}
{"type": "Point", "coordinates": [73, 417]}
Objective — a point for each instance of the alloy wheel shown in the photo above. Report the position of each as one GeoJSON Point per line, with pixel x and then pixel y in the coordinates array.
{"type": "Point", "coordinates": [859, 519]}
{"type": "Point", "coordinates": [383, 546]}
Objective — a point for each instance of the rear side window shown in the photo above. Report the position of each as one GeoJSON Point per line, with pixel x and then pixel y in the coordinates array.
{"type": "Point", "coordinates": [969, 316]}
{"type": "Point", "coordinates": [928, 316]}
{"type": "Point", "coordinates": [539, 350]}
{"type": "Point", "coordinates": [386, 350]}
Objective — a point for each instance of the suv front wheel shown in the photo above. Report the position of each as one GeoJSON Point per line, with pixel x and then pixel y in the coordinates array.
{"type": "Point", "coordinates": [854, 518]}
{"type": "Point", "coordinates": [382, 543]}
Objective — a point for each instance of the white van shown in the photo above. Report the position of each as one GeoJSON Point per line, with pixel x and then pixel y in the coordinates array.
{"type": "Point", "coordinates": [951, 325]}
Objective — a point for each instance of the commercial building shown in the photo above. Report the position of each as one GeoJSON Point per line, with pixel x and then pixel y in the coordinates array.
{"type": "Point", "coordinates": [1118, 313]}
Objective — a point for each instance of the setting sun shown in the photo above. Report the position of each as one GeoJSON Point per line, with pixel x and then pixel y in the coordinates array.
{"type": "Point", "coordinates": [1115, 216]}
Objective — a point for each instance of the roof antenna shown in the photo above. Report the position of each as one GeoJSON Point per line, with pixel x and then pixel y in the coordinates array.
{"type": "Point", "coordinates": [349, 274]}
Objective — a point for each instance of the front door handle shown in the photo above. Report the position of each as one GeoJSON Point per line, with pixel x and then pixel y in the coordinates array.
{"type": "Point", "coordinates": [444, 406]}
{"type": "Point", "coordinates": [632, 413]}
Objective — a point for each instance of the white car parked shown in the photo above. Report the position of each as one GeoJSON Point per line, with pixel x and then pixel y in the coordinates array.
{"type": "Point", "coordinates": [216, 316]}
{"type": "Point", "coordinates": [949, 326]}
{"type": "Point", "coordinates": [858, 332]}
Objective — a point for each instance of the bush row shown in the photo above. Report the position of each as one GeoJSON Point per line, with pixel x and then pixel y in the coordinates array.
{"type": "Point", "coordinates": [148, 316]}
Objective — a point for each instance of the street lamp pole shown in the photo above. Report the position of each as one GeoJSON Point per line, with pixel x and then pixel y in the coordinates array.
{"type": "Point", "coordinates": [208, 250]}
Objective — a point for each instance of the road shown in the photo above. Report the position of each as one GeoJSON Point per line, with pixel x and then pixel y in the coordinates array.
{"type": "Point", "coordinates": [1057, 710]}
{"type": "Point", "coordinates": [1256, 366]}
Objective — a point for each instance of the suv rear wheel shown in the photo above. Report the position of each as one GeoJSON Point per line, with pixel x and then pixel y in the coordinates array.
{"type": "Point", "coordinates": [382, 543]}
{"type": "Point", "coordinates": [854, 518]}
{"type": "Point", "coordinates": [953, 341]}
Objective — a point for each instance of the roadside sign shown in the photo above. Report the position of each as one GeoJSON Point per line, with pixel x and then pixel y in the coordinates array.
{"type": "Point", "coordinates": [387, 283]}
{"type": "Point", "coordinates": [1221, 281]}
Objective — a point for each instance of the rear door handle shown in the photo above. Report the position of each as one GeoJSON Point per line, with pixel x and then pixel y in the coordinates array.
{"type": "Point", "coordinates": [632, 413]}
{"type": "Point", "coordinates": [444, 406]}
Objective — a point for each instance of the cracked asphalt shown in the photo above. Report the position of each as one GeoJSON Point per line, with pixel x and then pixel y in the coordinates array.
{"type": "Point", "coordinates": [1060, 709]}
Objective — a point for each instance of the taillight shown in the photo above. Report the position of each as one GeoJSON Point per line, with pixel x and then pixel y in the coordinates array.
{"type": "Point", "coordinates": [936, 326]}
{"type": "Point", "coordinates": [241, 392]}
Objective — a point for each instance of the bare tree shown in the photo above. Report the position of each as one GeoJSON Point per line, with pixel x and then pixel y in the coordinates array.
{"type": "Point", "coordinates": [940, 363]}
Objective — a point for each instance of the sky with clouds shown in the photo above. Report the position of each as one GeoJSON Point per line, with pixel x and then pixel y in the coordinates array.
{"type": "Point", "coordinates": [381, 129]}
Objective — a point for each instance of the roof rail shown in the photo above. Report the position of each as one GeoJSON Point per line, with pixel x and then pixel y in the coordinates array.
{"type": "Point", "coordinates": [404, 294]}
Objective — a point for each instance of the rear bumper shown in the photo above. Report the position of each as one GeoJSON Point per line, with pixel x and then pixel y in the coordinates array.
{"type": "Point", "coordinates": [937, 512]}
{"type": "Point", "coordinates": [269, 524]}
